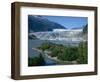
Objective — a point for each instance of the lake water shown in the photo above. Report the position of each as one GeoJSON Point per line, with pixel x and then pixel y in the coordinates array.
{"type": "Point", "coordinates": [37, 43]}
{"type": "Point", "coordinates": [33, 53]}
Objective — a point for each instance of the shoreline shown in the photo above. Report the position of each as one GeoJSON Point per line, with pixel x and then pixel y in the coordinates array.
{"type": "Point", "coordinates": [44, 54]}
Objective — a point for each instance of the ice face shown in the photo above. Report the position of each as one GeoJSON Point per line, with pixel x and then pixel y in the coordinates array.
{"type": "Point", "coordinates": [67, 35]}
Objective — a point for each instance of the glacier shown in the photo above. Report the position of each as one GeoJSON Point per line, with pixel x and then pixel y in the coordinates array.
{"type": "Point", "coordinates": [69, 35]}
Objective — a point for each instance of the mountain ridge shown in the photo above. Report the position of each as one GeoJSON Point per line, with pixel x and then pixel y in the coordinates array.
{"type": "Point", "coordinates": [38, 23]}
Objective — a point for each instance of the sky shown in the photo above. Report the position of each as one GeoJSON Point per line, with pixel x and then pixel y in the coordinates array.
{"type": "Point", "coordinates": [69, 22]}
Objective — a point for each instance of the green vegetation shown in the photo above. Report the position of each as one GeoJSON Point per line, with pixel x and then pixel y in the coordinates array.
{"type": "Point", "coordinates": [69, 54]}
{"type": "Point", "coordinates": [36, 61]}
{"type": "Point", "coordinates": [83, 55]}
{"type": "Point", "coordinates": [44, 46]}
{"type": "Point", "coordinates": [65, 53]}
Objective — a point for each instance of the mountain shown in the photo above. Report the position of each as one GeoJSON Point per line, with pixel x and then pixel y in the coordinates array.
{"type": "Point", "coordinates": [32, 37]}
{"type": "Point", "coordinates": [39, 23]}
{"type": "Point", "coordinates": [75, 28]}
{"type": "Point", "coordinates": [85, 29]}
